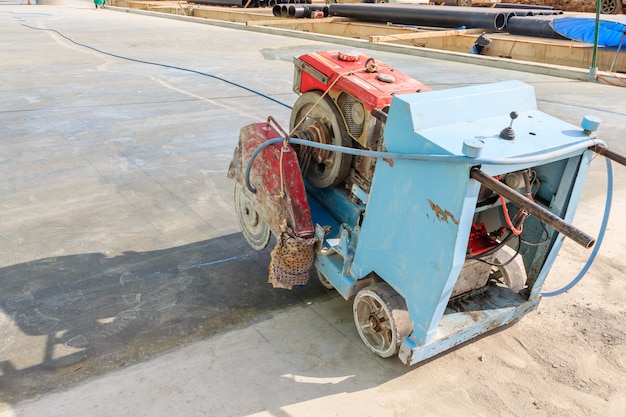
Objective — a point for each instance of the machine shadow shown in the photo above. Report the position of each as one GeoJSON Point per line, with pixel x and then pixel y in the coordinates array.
{"type": "Point", "coordinates": [70, 318]}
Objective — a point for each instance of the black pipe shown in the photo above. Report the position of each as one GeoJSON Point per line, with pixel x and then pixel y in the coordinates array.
{"type": "Point", "coordinates": [470, 17]}
{"type": "Point", "coordinates": [305, 10]}
{"type": "Point", "coordinates": [533, 208]}
{"type": "Point", "coordinates": [539, 26]}
{"type": "Point", "coordinates": [296, 12]}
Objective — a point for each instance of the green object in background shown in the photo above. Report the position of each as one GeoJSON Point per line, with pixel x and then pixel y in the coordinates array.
{"type": "Point", "coordinates": [593, 71]}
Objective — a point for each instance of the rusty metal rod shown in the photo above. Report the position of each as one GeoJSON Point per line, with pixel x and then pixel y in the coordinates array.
{"type": "Point", "coordinates": [533, 208]}
{"type": "Point", "coordinates": [606, 152]}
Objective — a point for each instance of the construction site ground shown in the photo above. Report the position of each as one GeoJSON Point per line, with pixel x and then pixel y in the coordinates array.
{"type": "Point", "coordinates": [127, 289]}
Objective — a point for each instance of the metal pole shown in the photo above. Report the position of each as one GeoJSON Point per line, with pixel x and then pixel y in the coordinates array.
{"type": "Point", "coordinates": [607, 153]}
{"type": "Point", "coordinates": [593, 71]}
{"type": "Point", "coordinates": [534, 209]}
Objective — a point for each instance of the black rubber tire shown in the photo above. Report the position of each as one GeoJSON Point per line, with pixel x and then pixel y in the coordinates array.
{"type": "Point", "coordinates": [611, 6]}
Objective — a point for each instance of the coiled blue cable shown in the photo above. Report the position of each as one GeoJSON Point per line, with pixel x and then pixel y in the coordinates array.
{"type": "Point", "coordinates": [596, 248]}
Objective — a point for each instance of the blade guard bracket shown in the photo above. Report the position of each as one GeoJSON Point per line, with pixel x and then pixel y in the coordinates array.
{"type": "Point", "coordinates": [292, 207]}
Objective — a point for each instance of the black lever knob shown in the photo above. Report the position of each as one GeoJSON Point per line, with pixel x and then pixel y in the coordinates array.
{"type": "Point", "coordinates": [508, 133]}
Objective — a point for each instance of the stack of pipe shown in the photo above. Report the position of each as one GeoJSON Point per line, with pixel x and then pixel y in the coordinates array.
{"type": "Point", "coordinates": [273, 3]}
{"type": "Point", "coordinates": [250, 3]}
{"type": "Point", "coordinates": [229, 3]}
{"type": "Point", "coordinates": [298, 10]}
{"type": "Point", "coordinates": [522, 6]}
{"type": "Point", "coordinates": [515, 20]}
{"type": "Point", "coordinates": [532, 12]}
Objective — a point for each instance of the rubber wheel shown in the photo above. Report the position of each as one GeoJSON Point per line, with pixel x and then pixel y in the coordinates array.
{"type": "Point", "coordinates": [332, 167]}
{"type": "Point", "coordinates": [382, 319]}
{"type": "Point", "coordinates": [256, 232]}
{"type": "Point", "coordinates": [611, 6]}
{"type": "Point", "coordinates": [513, 274]}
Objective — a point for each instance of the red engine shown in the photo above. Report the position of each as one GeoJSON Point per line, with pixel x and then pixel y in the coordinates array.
{"type": "Point", "coordinates": [356, 83]}
{"type": "Point", "coordinates": [344, 91]}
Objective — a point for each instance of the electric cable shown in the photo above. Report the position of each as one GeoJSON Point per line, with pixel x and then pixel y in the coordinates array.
{"type": "Point", "coordinates": [494, 249]}
{"type": "Point", "coordinates": [603, 226]}
{"type": "Point", "coordinates": [620, 84]}
{"type": "Point", "coordinates": [543, 240]}
{"type": "Point", "coordinates": [158, 64]}
{"type": "Point", "coordinates": [519, 247]}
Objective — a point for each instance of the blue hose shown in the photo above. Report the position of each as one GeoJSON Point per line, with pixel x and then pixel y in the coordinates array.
{"type": "Point", "coordinates": [596, 248]}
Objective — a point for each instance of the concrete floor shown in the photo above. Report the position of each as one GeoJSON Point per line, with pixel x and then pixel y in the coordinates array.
{"type": "Point", "coordinates": [119, 242]}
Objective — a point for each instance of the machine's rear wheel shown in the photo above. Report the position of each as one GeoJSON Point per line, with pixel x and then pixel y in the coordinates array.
{"type": "Point", "coordinates": [513, 274]}
{"type": "Point", "coordinates": [256, 232]}
{"type": "Point", "coordinates": [325, 168]}
{"type": "Point", "coordinates": [382, 319]}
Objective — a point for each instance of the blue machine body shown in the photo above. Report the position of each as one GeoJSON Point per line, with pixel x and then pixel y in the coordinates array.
{"type": "Point", "coordinates": [413, 226]}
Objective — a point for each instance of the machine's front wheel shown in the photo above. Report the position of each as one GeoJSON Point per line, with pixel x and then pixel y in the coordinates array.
{"type": "Point", "coordinates": [256, 232]}
{"type": "Point", "coordinates": [382, 319]}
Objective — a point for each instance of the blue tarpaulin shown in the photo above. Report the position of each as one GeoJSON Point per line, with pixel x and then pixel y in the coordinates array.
{"type": "Point", "coordinates": [582, 29]}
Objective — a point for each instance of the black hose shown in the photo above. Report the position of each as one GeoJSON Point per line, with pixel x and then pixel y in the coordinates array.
{"type": "Point", "coordinates": [539, 26]}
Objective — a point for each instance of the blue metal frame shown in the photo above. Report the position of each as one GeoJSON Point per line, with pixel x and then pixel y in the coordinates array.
{"type": "Point", "coordinates": [413, 230]}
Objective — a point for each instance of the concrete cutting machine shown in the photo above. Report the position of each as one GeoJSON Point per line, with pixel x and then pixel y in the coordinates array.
{"type": "Point", "coordinates": [440, 213]}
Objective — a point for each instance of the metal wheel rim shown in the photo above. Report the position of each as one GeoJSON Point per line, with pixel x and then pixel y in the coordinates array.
{"type": "Point", "coordinates": [375, 324]}
{"type": "Point", "coordinates": [256, 232]}
{"type": "Point", "coordinates": [610, 6]}
{"type": "Point", "coordinates": [382, 318]}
